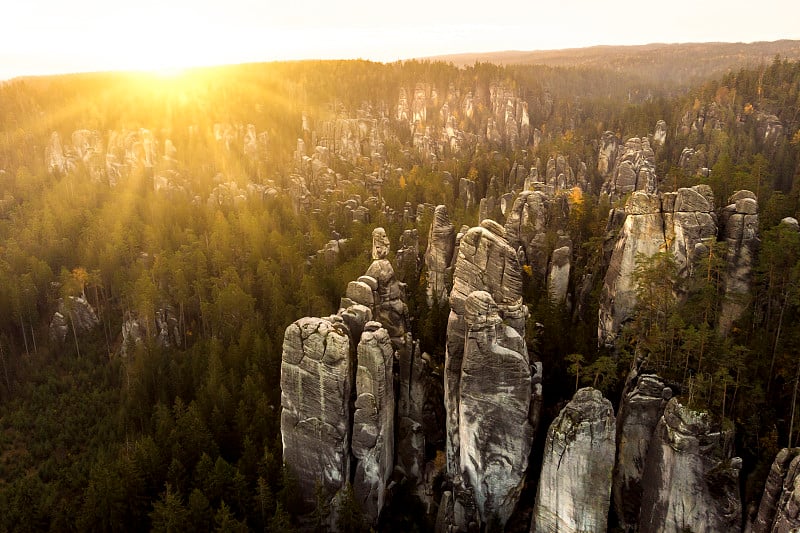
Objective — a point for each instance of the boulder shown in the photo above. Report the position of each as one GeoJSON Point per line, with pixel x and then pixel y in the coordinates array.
{"type": "Point", "coordinates": [575, 483]}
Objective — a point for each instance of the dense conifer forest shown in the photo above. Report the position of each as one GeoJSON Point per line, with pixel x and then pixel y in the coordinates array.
{"type": "Point", "coordinates": [178, 428]}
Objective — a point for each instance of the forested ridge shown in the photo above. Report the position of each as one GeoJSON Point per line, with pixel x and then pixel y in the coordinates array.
{"type": "Point", "coordinates": [209, 235]}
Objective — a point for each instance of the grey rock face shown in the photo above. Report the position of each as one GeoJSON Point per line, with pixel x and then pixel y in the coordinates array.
{"type": "Point", "coordinates": [770, 128]}
{"type": "Point", "coordinates": [642, 406]}
{"type": "Point", "coordinates": [59, 327]}
{"type": "Point", "coordinates": [528, 219]}
{"type": "Point", "coordinates": [316, 383]}
{"type": "Point", "coordinates": [739, 229]}
{"type": "Point", "coordinates": [54, 154]}
{"type": "Point", "coordinates": [633, 170]}
{"type": "Point", "coordinates": [390, 307]}
{"type": "Point", "coordinates": [642, 233]}
{"type": "Point", "coordinates": [558, 276]}
{"type": "Point", "coordinates": [679, 222]}
{"type": "Point", "coordinates": [439, 254]}
{"type": "Point", "coordinates": [133, 334]}
{"type": "Point", "coordinates": [792, 223]}
{"type": "Point", "coordinates": [779, 506]}
{"type": "Point", "coordinates": [533, 214]}
{"type": "Point", "coordinates": [380, 244]}
{"type": "Point", "coordinates": [575, 483]}
{"type": "Point", "coordinates": [75, 313]}
{"type": "Point", "coordinates": [660, 133]}
{"type": "Point", "coordinates": [489, 389]}
{"type": "Point", "coordinates": [467, 194]}
{"type": "Point", "coordinates": [495, 433]}
{"type": "Point", "coordinates": [373, 421]}
{"type": "Point", "coordinates": [607, 156]}
{"type": "Point", "coordinates": [391, 311]}
{"type": "Point", "coordinates": [167, 325]}
{"type": "Point", "coordinates": [487, 262]}
{"type": "Point", "coordinates": [690, 481]}
{"type": "Point", "coordinates": [407, 256]}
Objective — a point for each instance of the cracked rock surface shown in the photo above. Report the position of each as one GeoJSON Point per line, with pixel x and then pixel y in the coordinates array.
{"type": "Point", "coordinates": [575, 483]}
{"type": "Point", "coordinates": [316, 382]}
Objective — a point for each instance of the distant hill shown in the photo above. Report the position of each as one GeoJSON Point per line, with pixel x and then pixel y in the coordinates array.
{"type": "Point", "coordinates": [677, 64]}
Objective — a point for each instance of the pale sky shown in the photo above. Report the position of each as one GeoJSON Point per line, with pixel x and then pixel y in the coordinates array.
{"type": "Point", "coordinates": [55, 36]}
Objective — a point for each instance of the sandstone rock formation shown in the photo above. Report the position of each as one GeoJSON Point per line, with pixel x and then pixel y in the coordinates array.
{"type": "Point", "coordinates": [133, 334]}
{"type": "Point", "coordinates": [679, 222]}
{"type": "Point", "coordinates": [575, 484]}
{"type": "Point", "coordinates": [633, 170]}
{"type": "Point", "coordinates": [607, 154]}
{"type": "Point", "coordinates": [660, 133]}
{"type": "Point", "coordinates": [558, 275]}
{"type": "Point", "coordinates": [316, 383]}
{"type": "Point", "coordinates": [534, 215]}
{"type": "Point", "coordinates": [75, 313]}
{"type": "Point", "coordinates": [642, 406]}
{"type": "Point", "coordinates": [691, 480]}
{"type": "Point", "coordinates": [54, 154]}
{"type": "Point", "coordinates": [407, 256]}
{"type": "Point", "coordinates": [487, 412]}
{"type": "Point", "coordinates": [439, 255]}
{"type": "Point", "coordinates": [739, 230]}
{"type": "Point", "coordinates": [373, 420]}
{"type": "Point", "coordinates": [380, 244]}
{"type": "Point", "coordinates": [779, 511]}
{"type": "Point", "coordinates": [495, 432]}
{"type": "Point", "coordinates": [467, 193]}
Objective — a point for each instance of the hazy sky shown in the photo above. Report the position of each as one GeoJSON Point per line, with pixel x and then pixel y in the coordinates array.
{"type": "Point", "coordinates": [49, 36]}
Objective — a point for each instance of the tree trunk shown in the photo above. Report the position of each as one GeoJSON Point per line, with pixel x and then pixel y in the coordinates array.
{"type": "Point", "coordinates": [74, 334]}
{"type": "Point", "coordinates": [777, 338]}
{"type": "Point", "coordinates": [33, 338]}
{"type": "Point", "coordinates": [5, 368]}
{"type": "Point", "coordinates": [24, 335]}
{"type": "Point", "coordinates": [794, 402]}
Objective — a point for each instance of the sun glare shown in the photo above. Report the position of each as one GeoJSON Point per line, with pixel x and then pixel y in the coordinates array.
{"type": "Point", "coordinates": [168, 73]}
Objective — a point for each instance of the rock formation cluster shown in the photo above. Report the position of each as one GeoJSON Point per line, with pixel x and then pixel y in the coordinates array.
{"type": "Point", "coordinates": [685, 224]}
{"type": "Point", "coordinates": [353, 392]}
